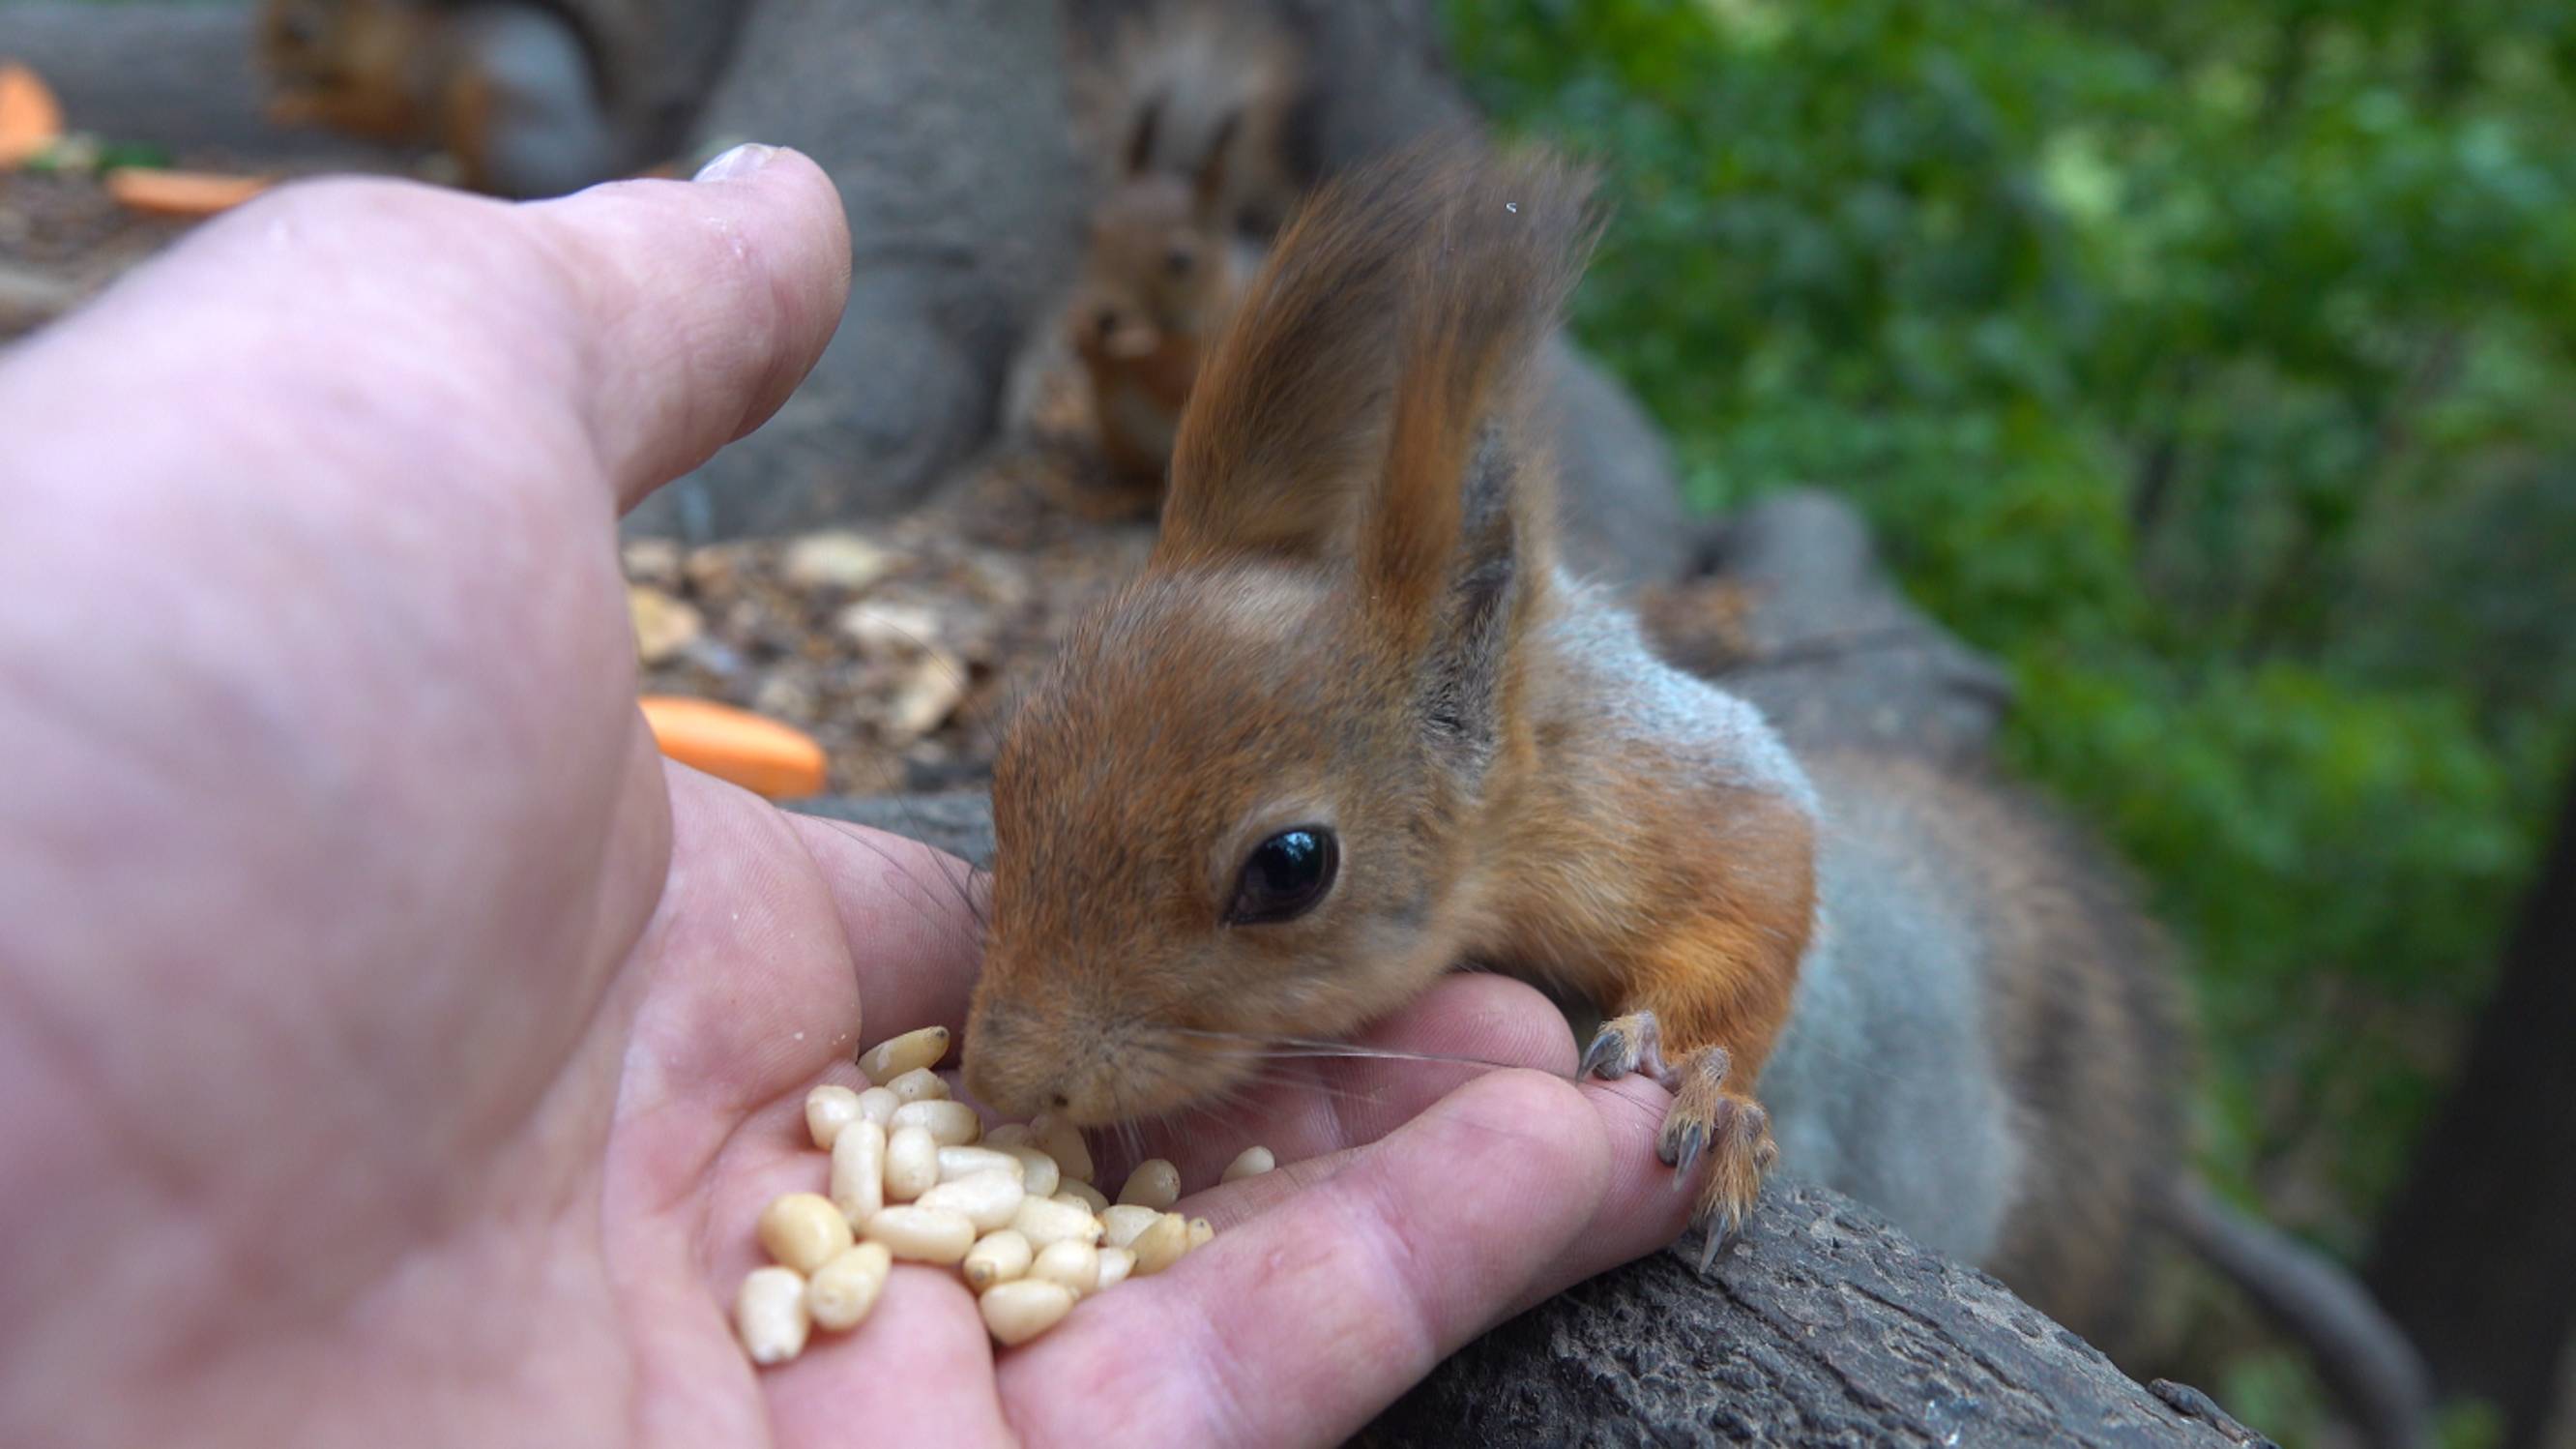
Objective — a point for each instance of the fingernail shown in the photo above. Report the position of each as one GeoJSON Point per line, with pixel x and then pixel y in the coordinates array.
{"type": "Point", "coordinates": [742, 161]}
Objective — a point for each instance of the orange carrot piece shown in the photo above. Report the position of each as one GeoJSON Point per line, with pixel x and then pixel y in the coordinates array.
{"type": "Point", "coordinates": [30, 118]}
{"type": "Point", "coordinates": [761, 755]}
{"type": "Point", "coordinates": [182, 193]}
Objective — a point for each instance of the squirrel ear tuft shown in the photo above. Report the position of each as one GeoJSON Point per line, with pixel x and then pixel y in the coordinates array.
{"type": "Point", "coordinates": [1140, 142]}
{"type": "Point", "coordinates": [1467, 656]}
{"type": "Point", "coordinates": [1207, 189]}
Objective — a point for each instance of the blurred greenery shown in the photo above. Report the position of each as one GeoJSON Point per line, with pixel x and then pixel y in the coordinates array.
{"type": "Point", "coordinates": [2214, 365]}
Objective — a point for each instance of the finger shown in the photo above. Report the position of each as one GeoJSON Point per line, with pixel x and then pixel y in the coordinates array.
{"type": "Point", "coordinates": [1646, 1205]}
{"type": "Point", "coordinates": [1307, 1107]}
{"type": "Point", "coordinates": [1646, 1202]}
{"type": "Point", "coordinates": [1298, 1325]}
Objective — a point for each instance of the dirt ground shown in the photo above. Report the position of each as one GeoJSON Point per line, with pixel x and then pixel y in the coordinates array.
{"type": "Point", "coordinates": [898, 644]}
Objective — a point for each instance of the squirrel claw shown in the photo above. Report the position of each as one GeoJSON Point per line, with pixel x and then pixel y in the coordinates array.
{"type": "Point", "coordinates": [1611, 1055]}
{"type": "Point", "coordinates": [1714, 1237]}
{"type": "Point", "coordinates": [1680, 1150]}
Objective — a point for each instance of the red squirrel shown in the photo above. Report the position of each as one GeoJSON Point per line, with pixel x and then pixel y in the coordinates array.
{"type": "Point", "coordinates": [1354, 726]}
{"type": "Point", "coordinates": [1200, 95]}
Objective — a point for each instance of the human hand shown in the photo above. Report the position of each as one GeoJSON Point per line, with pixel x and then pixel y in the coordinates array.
{"type": "Point", "coordinates": [394, 1047]}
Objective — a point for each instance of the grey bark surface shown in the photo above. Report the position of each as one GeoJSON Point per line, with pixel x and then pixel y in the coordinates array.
{"type": "Point", "coordinates": [944, 127]}
{"type": "Point", "coordinates": [1623, 521]}
{"type": "Point", "coordinates": [1839, 655]}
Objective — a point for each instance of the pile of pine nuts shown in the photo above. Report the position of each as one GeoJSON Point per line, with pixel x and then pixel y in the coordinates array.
{"type": "Point", "coordinates": [916, 1179]}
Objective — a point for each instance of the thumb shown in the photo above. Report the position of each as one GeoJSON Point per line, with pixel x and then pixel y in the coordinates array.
{"type": "Point", "coordinates": [635, 328]}
{"type": "Point", "coordinates": [706, 301]}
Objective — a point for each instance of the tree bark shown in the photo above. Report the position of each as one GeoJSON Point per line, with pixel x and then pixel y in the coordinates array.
{"type": "Point", "coordinates": [2478, 1256]}
{"type": "Point", "coordinates": [1821, 1325]}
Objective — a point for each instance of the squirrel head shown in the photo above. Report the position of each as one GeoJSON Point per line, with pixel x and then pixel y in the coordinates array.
{"type": "Point", "coordinates": [1245, 800]}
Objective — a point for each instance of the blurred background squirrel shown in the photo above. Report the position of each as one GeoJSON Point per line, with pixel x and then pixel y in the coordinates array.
{"type": "Point", "coordinates": [1194, 106]}
{"type": "Point", "coordinates": [530, 99]}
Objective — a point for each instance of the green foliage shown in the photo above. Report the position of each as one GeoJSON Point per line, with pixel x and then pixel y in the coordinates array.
{"type": "Point", "coordinates": [2210, 364]}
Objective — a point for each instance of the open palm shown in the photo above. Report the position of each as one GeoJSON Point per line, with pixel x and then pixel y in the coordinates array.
{"type": "Point", "coordinates": [394, 1048]}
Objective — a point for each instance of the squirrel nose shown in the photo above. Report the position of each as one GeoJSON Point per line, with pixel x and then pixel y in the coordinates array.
{"type": "Point", "coordinates": [1107, 321]}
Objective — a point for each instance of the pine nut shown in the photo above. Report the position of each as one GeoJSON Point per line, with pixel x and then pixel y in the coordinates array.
{"type": "Point", "coordinates": [803, 1231]}
{"type": "Point", "coordinates": [895, 1056]}
{"type": "Point", "coordinates": [843, 1290]}
{"type": "Point", "coordinates": [1123, 1222]}
{"type": "Point", "coordinates": [1062, 1141]}
{"type": "Point", "coordinates": [997, 1258]}
{"type": "Point", "coordinates": [1161, 1245]}
{"type": "Point", "coordinates": [1074, 1264]}
{"type": "Point", "coordinates": [1011, 1134]}
{"type": "Point", "coordinates": [1039, 1174]}
{"type": "Point", "coordinates": [957, 1162]}
{"type": "Point", "coordinates": [828, 1109]}
{"type": "Point", "coordinates": [922, 1235]}
{"type": "Point", "coordinates": [1202, 1233]}
{"type": "Point", "coordinates": [877, 1105]}
{"type": "Point", "coordinates": [769, 1314]}
{"type": "Point", "coordinates": [1155, 1183]}
{"type": "Point", "coordinates": [1115, 1265]}
{"type": "Point", "coordinates": [990, 1200]}
{"type": "Point", "coordinates": [911, 1163]}
{"type": "Point", "coordinates": [1043, 1221]}
{"type": "Point", "coordinates": [1083, 1194]}
{"type": "Point", "coordinates": [921, 1084]}
{"type": "Point", "coordinates": [1252, 1162]}
{"type": "Point", "coordinates": [951, 1124]}
{"type": "Point", "coordinates": [859, 1170]}
{"type": "Point", "coordinates": [1020, 1310]}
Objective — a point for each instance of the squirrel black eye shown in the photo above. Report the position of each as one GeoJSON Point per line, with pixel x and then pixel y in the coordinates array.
{"type": "Point", "coordinates": [1179, 260]}
{"type": "Point", "coordinates": [1285, 876]}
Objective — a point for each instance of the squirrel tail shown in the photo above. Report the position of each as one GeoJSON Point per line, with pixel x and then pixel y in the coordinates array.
{"type": "Point", "coordinates": [2365, 1359]}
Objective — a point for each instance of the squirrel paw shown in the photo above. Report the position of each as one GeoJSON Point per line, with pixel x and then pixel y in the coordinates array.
{"type": "Point", "coordinates": [1734, 1133]}
{"type": "Point", "coordinates": [1730, 1129]}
